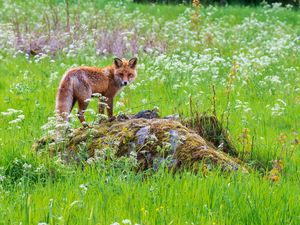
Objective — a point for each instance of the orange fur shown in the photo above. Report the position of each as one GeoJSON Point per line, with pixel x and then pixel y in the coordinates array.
{"type": "Point", "coordinates": [78, 85]}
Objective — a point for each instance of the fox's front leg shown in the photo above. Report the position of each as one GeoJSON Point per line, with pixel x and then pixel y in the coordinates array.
{"type": "Point", "coordinates": [110, 104]}
{"type": "Point", "coordinates": [101, 106]}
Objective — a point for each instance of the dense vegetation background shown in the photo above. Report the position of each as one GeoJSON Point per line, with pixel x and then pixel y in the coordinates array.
{"type": "Point", "coordinates": [223, 2]}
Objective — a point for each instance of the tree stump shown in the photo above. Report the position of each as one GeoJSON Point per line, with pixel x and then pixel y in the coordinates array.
{"type": "Point", "coordinates": [151, 140]}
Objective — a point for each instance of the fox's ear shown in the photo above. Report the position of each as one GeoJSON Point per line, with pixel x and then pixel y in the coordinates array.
{"type": "Point", "coordinates": [132, 62]}
{"type": "Point", "coordinates": [118, 62]}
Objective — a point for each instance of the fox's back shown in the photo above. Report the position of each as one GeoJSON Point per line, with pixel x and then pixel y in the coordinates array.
{"type": "Point", "coordinates": [97, 79]}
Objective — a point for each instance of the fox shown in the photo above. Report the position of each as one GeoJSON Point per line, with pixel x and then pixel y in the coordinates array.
{"type": "Point", "coordinates": [80, 83]}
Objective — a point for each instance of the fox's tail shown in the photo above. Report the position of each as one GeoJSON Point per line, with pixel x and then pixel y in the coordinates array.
{"type": "Point", "coordinates": [64, 98]}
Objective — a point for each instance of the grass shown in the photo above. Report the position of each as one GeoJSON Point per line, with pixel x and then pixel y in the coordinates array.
{"type": "Point", "coordinates": [250, 55]}
{"type": "Point", "coordinates": [93, 198]}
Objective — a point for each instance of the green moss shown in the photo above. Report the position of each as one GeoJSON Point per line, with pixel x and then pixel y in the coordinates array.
{"type": "Point", "coordinates": [190, 148]}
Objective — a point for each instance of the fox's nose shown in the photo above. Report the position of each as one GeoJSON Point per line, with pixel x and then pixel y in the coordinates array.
{"type": "Point", "coordinates": [125, 83]}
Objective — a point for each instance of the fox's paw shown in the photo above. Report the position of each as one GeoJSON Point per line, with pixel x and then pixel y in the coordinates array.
{"type": "Point", "coordinates": [111, 119]}
{"type": "Point", "coordinates": [85, 125]}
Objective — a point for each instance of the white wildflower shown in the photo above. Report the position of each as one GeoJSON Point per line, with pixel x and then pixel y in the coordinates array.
{"type": "Point", "coordinates": [280, 100]}
{"type": "Point", "coordinates": [2, 178]}
{"type": "Point", "coordinates": [87, 100]}
{"type": "Point", "coordinates": [11, 111]}
{"type": "Point", "coordinates": [27, 166]}
{"type": "Point", "coordinates": [126, 221]}
{"type": "Point", "coordinates": [83, 187]}
{"type": "Point", "coordinates": [119, 104]}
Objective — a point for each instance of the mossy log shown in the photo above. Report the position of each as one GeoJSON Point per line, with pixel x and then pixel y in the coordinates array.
{"type": "Point", "coordinates": [152, 140]}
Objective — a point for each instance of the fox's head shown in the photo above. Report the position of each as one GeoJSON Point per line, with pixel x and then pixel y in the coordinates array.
{"type": "Point", "coordinates": [125, 71]}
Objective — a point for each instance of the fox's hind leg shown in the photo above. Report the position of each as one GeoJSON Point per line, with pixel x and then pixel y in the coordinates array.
{"type": "Point", "coordinates": [83, 94]}
{"type": "Point", "coordinates": [83, 101]}
{"type": "Point", "coordinates": [82, 106]}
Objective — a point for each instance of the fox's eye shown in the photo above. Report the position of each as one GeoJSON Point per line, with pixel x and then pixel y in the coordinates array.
{"type": "Point", "coordinates": [130, 75]}
{"type": "Point", "coordinates": [121, 74]}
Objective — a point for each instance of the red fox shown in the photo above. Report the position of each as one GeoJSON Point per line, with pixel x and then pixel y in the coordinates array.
{"type": "Point", "coordinates": [78, 84]}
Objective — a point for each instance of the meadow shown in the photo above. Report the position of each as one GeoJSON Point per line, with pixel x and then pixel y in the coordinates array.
{"type": "Point", "coordinates": [243, 60]}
